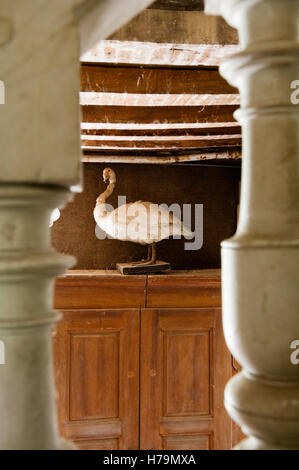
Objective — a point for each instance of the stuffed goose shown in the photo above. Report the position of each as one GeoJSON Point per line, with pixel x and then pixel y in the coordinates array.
{"type": "Point", "coordinates": [141, 222]}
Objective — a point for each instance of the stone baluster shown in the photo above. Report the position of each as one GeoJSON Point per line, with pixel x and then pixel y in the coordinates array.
{"type": "Point", "coordinates": [260, 263]}
{"type": "Point", "coordinates": [28, 267]}
{"type": "Point", "coordinates": [39, 162]}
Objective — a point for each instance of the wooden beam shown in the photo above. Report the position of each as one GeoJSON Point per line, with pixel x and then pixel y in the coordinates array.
{"type": "Point", "coordinates": [155, 151]}
{"type": "Point", "coordinates": [158, 114]}
{"type": "Point", "coordinates": [178, 5]}
{"type": "Point", "coordinates": [133, 99]}
{"type": "Point", "coordinates": [224, 155]}
{"type": "Point", "coordinates": [140, 53]}
{"type": "Point", "coordinates": [156, 130]}
{"type": "Point", "coordinates": [160, 143]}
{"type": "Point", "coordinates": [153, 80]}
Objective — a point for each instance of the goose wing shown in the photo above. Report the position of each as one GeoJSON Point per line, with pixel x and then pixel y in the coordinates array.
{"type": "Point", "coordinates": [142, 222]}
{"type": "Point", "coordinates": [154, 222]}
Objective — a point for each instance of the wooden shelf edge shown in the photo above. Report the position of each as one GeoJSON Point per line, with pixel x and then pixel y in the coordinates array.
{"type": "Point", "coordinates": [100, 289]}
{"type": "Point", "coordinates": [205, 273]}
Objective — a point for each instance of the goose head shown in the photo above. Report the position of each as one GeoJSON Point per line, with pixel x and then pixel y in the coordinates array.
{"type": "Point", "coordinates": [109, 176]}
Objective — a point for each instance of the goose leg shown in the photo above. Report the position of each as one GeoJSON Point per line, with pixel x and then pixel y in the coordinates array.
{"type": "Point", "coordinates": [151, 256]}
{"type": "Point", "coordinates": [154, 253]}
{"type": "Point", "coordinates": [149, 253]}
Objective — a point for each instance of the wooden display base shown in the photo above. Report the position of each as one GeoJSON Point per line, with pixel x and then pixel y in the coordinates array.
{"type": "Point", "coordinates": [131, 268]}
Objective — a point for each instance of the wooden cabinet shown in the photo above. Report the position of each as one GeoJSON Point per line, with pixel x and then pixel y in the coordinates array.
{"type": "Point", "coordinates": [185, 366]}
{"type": "Point", "coordinates": [141, 362]}
{"type": "Point", "coordinates": [97, 374]}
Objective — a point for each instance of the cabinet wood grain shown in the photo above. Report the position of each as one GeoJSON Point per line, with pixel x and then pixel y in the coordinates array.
{"type": "Point", "coordinates": [97, 376]}
{"type": "Point", "coordinates": [185, 366]}
{"type": "Point", "coordinates": [141, 361]}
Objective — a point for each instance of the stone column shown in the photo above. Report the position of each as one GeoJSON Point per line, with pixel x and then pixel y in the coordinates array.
{"type": "Point", "coordinates": [28, 267]}
{"type": "Point", "coordinates": [39, 162]}
{"type": "Point", "coordinates": [260, 263]}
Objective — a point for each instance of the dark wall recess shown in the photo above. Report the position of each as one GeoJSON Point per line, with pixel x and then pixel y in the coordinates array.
{"type": "Point", "coordinates": [184, 5]}
{"type": "Point", "coordinates": [214, 187]}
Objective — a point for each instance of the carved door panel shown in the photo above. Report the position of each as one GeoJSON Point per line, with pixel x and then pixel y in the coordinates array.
{"type": "Point", "coordinates": [184, 367]}
{"type": "Point", "coordinates": [96, 354]}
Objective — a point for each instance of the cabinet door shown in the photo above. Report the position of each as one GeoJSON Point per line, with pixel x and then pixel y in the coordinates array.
{"type": "Point", "coordinates": [96, 355]}
{"type": "Point", "coordinates": [185, 365]}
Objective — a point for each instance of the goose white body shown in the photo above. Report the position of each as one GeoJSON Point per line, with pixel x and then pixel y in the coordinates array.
{"type": "Point", "coordinates": [140, 222]}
